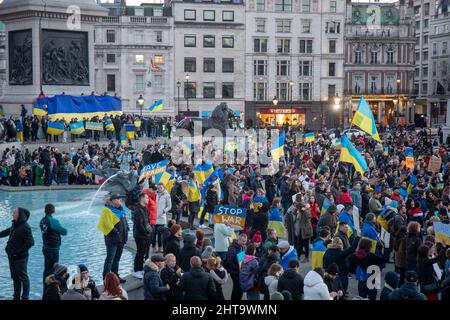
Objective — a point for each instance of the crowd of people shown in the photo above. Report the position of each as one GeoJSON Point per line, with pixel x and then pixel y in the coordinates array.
{"type": "Point", "coordinates": [315, 210]}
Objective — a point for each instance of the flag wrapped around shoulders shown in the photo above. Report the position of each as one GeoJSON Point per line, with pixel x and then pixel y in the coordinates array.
{"type": "Point", "coordinates": [77, 127]}
{"type": "Point", "coordinates": [276, 222]}
{"type": "Point", "coordinates": [351, 155]}
{"type": "Point", "coordinates": [369, 233]}
{"type": "Point", "coordinates": [129, 130]}
{"type": "Point", "coordinates": [108, 220]}
{"type": "Point", "coordinates": [55, 128]}
{"type": "Point", "coordinates": [310, 137]}
{"type": "Point", "coordinates": [278, 146]}
{"type": "Point", "coordinates": [157, 106]}
{"type": "Point", "coordinates": [109, 125]}
{"type": "Point", "coordinates": [193, 192]}
{"type": "Point", "coordinates": [317, 252]}
{"type": "Point", "coordinates": [365, 120]}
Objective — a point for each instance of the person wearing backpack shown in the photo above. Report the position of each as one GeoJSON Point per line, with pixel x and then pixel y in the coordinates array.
{"type": "Point", "coordinates": [248, 274]}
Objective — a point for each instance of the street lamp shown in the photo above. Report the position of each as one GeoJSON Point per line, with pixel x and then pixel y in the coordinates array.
{"type": "Point", "coordinates": [187, 93]}
{"type": "Point", "coordinates": [178, 103]}
{"type": "Point", "coordinates": [275, 102]}
{"type": "Point", "coordinates": [140, 101]}
{"type": "Point", "coordinates": [337, 103]}
{"type": "Point", "coordinates": [397, 104]}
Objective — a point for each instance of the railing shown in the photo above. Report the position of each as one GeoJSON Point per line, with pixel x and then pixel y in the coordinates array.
{"type": "Point", "coordinates": [134, 20]}
{"type": "Point", "coordinates": [138, 19]}
{"type": "Point", "coordinates": [110, 19]}
{"type": "Point", "coordinates": [379, 91]}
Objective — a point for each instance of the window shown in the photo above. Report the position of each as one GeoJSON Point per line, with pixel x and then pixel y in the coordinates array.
{"type": "Point", "coordinates": [333, 27]}
{"type": "Point", "coordinates": [283, 5]}
{"type": "Point", "coordinates": [444, 47]}
{"type": "Point", "coordinates": [306, 26]}
{"type": "Point", "coordinates": [306, 6]}
{"type": "Point", "coordinates": [424, 88]}
{"type": "Point", "coordinates": [227, 15]}
{"type": "Point", "coordinates": [426, 9]}
{"type": "Point", "coordinates": [189, 14]}
{"type": "Point", "coordinates": [425, 23]}
{"type": "Point", "coordinates": [425, 71]}
{"type": "Point", "coordinates": [260, 25]}
{"type": "Point", "coordinates": [260, 5]}
{"type": "Point", "coordinates": [190, 41]}
{"type": "Point", "coordinates": [139, 58]}
{"type": "Point", "coordinates": [139, 36]}
{"type": "Point", "coordinates": [158, 12]}
{"type": "Point", "coordinates": [111, 82]}
{"type": "Point", "coordinates": [425, 39]}
{"type": "Point", "coordinates": [139, 85]}
{"type": "Point", "coordinates": [425, 55]}
{"type": "Point", "coordinates": [374, 57]}
{"type": "Point", "coordinates": [282, 91]}
{"type": "Point", "coordinates": [390, 56]}
{"type": "Point", "coordinates": [227, 42]}
{"type": "Point", "coordinates": [158, 58]}
{"type": "Point", "coordinates": [444, 68]}
{"type": "Point", "coordinates": [417, 11]}
{"type": "Point", "coordinates": [209, 41]}
{"type": "Point", "coordinates": [390, 84]}
{"type": "Point", "coordinates": [418, 25]}
{"type": "Point", "coordinates": [434, 48]}
{"type": "Point", "coordinates": [158, 36]}
{"type": "Point", "coordinates": [190, 64]}
{"type": "Point", "coordinates": [332, 46]}
{"type": "Point", "coordinates": [110, 36]}
{"type": "Point", "coordinates": [305, 91]}
{"type": "Point", "coordinates": [417, 72]}
{"type": "Point", "coordinates": [373, 84]}
{"type": "Point", "coordinates": [331, 90]}
{"type": "Point", "coordinates": [305, 68]}
{"type": "Point", "coordinates": [190, 90]}
{"type": "Point", "coordinates": [209, 15]}
{"type": "Point", "coordinates": [260, 67]}
{"type": "Point", "coordinates": [283, 68]}
{"type": "Point", "coordinates": [227, 90]}
{"type": "Point", "coordinates": [209, 90]}
{"type": "Point", "coordinates": [227, 65]}
{"type": "Point", "coordinates": [306, 46]}
{"type": "Point", "coordinates": [283, 26]}
{"type": "Point", "coordinates": [358, 82]}
{"type": "Point", "coordinates": [283, 45]}
{"type": "Point", "coordinates": [260, 45]}
{"type": "Point", "coordinates": [158, 83]}
{"type": "Point", "coordinates": [434, 67]}
{"type": "Point", "coordinates": [436, 29]}
{"type": "Point", "coordinates": [139, 12]}
{"type": "Point", "coordinates": [209, 65]}
{"type": "Point", "coordinates": [332, 6]}
{"type": "Point", "coordinates": [332, 69]}
{"type": "Point", "coordinates": [260, 91]}
{"type": "Point", "coordinates": [110, 58]}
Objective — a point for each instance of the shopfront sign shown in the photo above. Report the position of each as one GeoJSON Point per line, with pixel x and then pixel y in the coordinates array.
{"type": "Point", "coordinates": [281, 111]}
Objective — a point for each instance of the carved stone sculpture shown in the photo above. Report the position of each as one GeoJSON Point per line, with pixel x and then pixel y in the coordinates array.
{"type": "Point", "coordinates": [20, 58]}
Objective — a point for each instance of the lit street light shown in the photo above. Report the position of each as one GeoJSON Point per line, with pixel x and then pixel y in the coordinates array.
{"type": "Point", "coordinates": [140, 102]}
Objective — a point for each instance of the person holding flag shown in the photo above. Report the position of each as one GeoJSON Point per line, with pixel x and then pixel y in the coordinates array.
{"type": "Point", "coordinates": [351, 155]}
{"type": "Point", "coordinates": [365, 120]}
{"type": "Point", "coordinates": [278, 146]}
{"type": "Point", "coordinates": [193, 197]}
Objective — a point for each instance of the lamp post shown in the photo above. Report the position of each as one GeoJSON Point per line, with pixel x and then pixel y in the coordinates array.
{"type": "Point", "coordinates": [141, 101]}
{"type": "Point", "coordinates": [275, 103]}
{"type": "Point", "coordinates": [187, 93]}
{"type": "Point", "coordinates": [397, 113]}
{"type": "Point", "coordinates": [337, 102]}
{"type": "Point", "coordinates": [178, 103]}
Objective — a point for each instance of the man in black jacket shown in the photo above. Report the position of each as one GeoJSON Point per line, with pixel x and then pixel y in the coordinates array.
{"type": "Point", "coordinates": [45, 160]}
{"type": "Point", "coordinates": [188, 251]}
{"type": "Point", "coordinates": [141, 231]}
{"type": "Point", "coordinates": [19, 242]}
{"type": "Point", "coordinates": [292, 281]}
{"type": "Point", "coordinates": [232, 264]}
{"type": "Point", "coordinates": [197, 284]}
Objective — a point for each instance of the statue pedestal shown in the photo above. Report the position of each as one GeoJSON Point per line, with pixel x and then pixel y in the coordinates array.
{"type": "Point", "coordinates": [50, 47]}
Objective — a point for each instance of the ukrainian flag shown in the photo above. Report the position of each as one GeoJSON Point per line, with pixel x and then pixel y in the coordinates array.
{"type": "Point", "coordinates": [351, 155]}
{"type": "Point", "coordinates": [55, 128]}
{"type": "Point", "coordinates": [364, 119]}
{"type": "Point", "coordinates": [278, 146]}
{"type": "Point", "coordinates": [39, 110]}
{"type": "Point", "coordinates": [77, 127]}
{"type": "Point", "coordinates": [123, 141]}
{"type": "Point", "coordinates": [318, 251]}
{"type": "Point", "coordinates": [310, 137]}
{"type": "Point", "coordinates": [107, 222]}
{"type": "Point", "coordinates": [276, 222]}
{"type": "Point", "coordinates": [326, 204]}
{"type": "Point", "coordinates": [203, 171]}
{"type": "Point", "coordinates": [163, 177]}
{"type": "Point", "coordinates": [129, 131]}
{"type": "Point", "coordinates": [369, 233]}
{"type": "Point", "coordinates": [157, 106]}
{"type": "Point", "coordinates": [193, 192]}
{"type": "Point", "coordinates": [109, 126]}
{"type": "Point", "coordinates": [409, 157]}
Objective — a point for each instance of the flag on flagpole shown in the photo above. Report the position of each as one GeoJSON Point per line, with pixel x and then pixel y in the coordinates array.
{"type": "Point", "coordinates": [203, 171]}
{"type": "Point", "coordinates": [310, 137]}
{"type": "Point", "coordinates": [129, 131]}
{"type": "Point", "coordinates": [409, 153]}
{"type": "Point", "coordinates": [364, 119]}
{"type": "Point", "coordinates": [278, 146]}
{"type": "Point", "coordinates": [157, 106]}
{"type": "Point", "coordinates": [77, 127]}
{"type": "Point", "coordinates": [55, 128]}
{"type": "Point", "coordinates": [351, 155]}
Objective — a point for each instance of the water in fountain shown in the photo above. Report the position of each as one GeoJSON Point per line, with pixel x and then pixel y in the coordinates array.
{"type": "Point", "coordinates": [99, 189]}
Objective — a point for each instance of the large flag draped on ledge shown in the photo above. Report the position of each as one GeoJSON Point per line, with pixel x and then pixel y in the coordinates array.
{"type": "Point", "coordinates": [364, 119]}
{"type": "Point", "coordinates": [69, 107]}
{"type": "Point", "coordinates": [351, 155]}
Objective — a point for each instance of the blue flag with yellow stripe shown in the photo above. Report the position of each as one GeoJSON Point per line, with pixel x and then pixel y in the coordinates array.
{"type": "Point", "coordinates": [55, 128]}
{"type": "Point", "coordinates": [351, 155]}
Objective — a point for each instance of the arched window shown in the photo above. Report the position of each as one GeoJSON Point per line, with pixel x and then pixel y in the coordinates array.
{"type": "Point", "coordinates": [390, 56]}
{"type": "Point", "coordinates": [358, 56]}
{"type": "Point", "coordinates": [374, 55]}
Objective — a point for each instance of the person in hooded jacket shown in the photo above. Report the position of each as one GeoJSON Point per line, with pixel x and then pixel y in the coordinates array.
{"type": "Point", "coordinates": [187, 252]}
{"type": "Point", "coordinates": [273, 275]}
{"type": "Point", "coordinates": [172, 243]}
{"type": "Point", "coordinates": [141, 231]}
{"type": "Point", "coordinates": [56, 283]}
{"type": "Point", "coordinates": [248, 273]}
{"type": "Point", "coordinates": [197, 284]}
{"type": "Point", "coordinates": [287, 253]}
{"type": "Point", "coordinates": [408, 290]}
{"type": "Point", "coordinates": [333, 282]}
{"type": "Point", "coordinates": [265, 262]}
{"type": "Point", "coordinates": [154, 289]}
{"type": "Point", "coordinates": [292, 281]}
{"type": "Point", "coordinates": [19, 242]}
{"type": "Point", "coordinates": [391, 281]}
{"type": "Point", "coordinates": [314, 286]}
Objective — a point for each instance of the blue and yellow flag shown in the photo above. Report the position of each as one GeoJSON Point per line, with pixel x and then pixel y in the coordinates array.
{"type": "Point", "coordinates": [409, 153]}
{"type": "Point", "coordinates": [157, 106]}
{"type": "Point", "coordinates": [123, 141]}
{"type": "Point", "coordinates": [203, 171]}
{"type": "Point", "coordinates": [365, 120]}
{"type": "Point", "coordinates": [326, 204]}
{"type": "Point", "coordinates": [310, 137]}
{"type": "Point", "coordinates": [163, 177]}
{"type": "Point", "coordinates": [318, 251]}
{"type": "Point", "coordinates": [193, 192]}
{"type": "Point", "coordinates": [109, 125]}
{"type": "Point", "coordinates": [39, 109]}
{"type": "Point", "coordinates": [55, 128]}
{"type": "Point", "coordinates": [278, 146]}
{"type": "Point", "coordinates": [351, 155]}
{"type": "Point", "coordinates": [77, 127]}
{"type": "Point", "coordinates": [129, 131]}
{"type": "Point", "coordinates": [107, 222]}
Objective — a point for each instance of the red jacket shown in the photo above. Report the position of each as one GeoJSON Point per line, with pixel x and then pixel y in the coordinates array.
{"type": "Point", "coordinates": [344, 198]}
{"type": "Point", "coordinates": [414, 211]}
{"type": "Point", "coordinates": [151, 206]}
{"type": "Point", "coordinates": [315, 213]}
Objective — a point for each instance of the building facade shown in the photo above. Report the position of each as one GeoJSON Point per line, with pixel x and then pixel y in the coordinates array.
{"type": "Point", "coordinates": [294, 61]}
{"type": "Point", "coordinates": [2, 57]}
{"type": "Point", "coordinates": [134, 57]}
{"type": "Point", "coordinates": [209, 55]}
{"type": "Point", "coordinates": [379, 61]}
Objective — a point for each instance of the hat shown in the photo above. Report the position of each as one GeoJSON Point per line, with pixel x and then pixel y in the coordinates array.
{"type": "Point", "coordinates": [175, 228]}
{"type": "Point", "coordinates": [207, 253]}
{"type": "Point", "coordinates": [59, 269]}
{"type": "Point", "coordinates": [286, 295]}
{"type": "Point", "coordinates": [276, 296]}
{"type": "Point", "coordinates": [333, 269]}
{"type": "Point", "coordinates": [157, 258]}
{"type": "Point", "coordinates": [114, 196]}
{"type": "Point", "coordinates": [257, 237]}
{"type": "Point", "coordinates": [83, 268]}
{"type": "Point", "coordinates": [339, 208]}
{"type": "Point", "coordinates": [188, 238]}
{"type": "Point", "coordinates": [370, 217]}
{"type": "Point", "coordinates": [284, 245]}
{"type": "Point", "coordinates": [392, 278]}
{"type": "Point", "coordinates": [332, 209]}
{"type": "Point", "coordinates": [411, 276]}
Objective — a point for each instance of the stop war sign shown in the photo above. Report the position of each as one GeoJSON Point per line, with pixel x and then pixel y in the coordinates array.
{"type": "Point", "coordinates": [228, 214]}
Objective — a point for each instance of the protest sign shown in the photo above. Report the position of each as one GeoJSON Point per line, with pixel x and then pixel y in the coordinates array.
{"type": "Point", "coordinates": [385, 237]}
{"type": "Point", "coordinates": [96, 126]}
{"type": "Point", "coordinates": [228, 214]}
{"type": "Point", "coordinates": [435, 164]}
{"type": "Point", "coordinates": [154, 168]}
{"type": "Point", "coordinates": [298, 138]}
{"type": "Point", "coordinates": [442, 232]}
